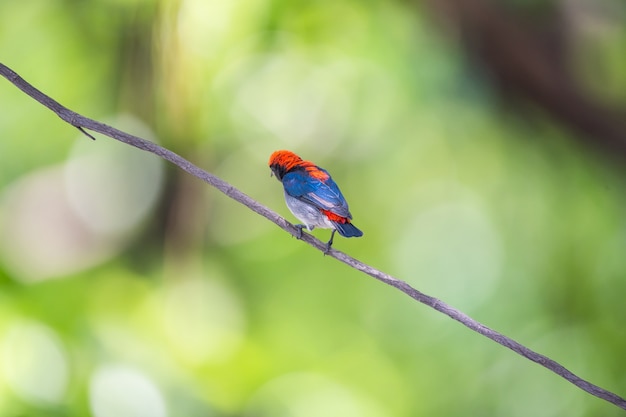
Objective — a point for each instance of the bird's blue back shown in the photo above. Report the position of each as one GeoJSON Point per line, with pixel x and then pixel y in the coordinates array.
{"type": "Point", "coordinates": [319, 192]}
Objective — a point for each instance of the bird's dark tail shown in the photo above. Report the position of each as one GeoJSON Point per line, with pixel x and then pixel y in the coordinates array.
{"type": "Point", "coordinates": [347, 229]}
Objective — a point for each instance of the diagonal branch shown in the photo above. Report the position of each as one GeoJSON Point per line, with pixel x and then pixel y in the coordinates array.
{"type": "Point", "coordinates": [82, 123]}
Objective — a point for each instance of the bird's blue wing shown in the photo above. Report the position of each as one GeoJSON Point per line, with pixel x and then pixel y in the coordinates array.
{"type": "Point", "coordinates": [324, 195]}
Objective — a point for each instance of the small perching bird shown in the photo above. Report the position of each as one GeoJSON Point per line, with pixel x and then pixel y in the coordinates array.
{"type": "Point", "coordinates": [312, 196]}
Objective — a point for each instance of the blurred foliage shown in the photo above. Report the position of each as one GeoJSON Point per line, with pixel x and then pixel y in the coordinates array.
{"type": "Point", "coordinates": [128, 288]}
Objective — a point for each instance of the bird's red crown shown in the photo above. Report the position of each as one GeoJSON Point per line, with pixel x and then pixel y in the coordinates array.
{"type": "Point", "coordinates": [284, 161]}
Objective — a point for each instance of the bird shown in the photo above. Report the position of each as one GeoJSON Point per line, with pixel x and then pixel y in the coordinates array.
{"type": "Point", "coordinates": [312, 196]}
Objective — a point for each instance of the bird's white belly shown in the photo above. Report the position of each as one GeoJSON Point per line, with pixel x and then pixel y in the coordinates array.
{"type": "Point", "coordinates": [307, 214]}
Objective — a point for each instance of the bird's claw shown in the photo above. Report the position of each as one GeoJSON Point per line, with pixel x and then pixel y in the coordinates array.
{"type": "Point", "coordinates": [327, 250]}
{"type": "Point", "coordinates": [330, 242]}
{"type": "Point", "coordinates": [299, 227]}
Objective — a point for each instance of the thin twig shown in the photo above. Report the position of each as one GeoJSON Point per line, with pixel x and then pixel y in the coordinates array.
{"type": "Point", "coordinates": [82, 122]}
{"type": "Point", "coordinates": [84, 132]}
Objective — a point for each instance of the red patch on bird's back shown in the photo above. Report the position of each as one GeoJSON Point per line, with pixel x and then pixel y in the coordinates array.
{"type": "Point", "coordinates": [315, 172]}
{"type": "Point", "coordinates": [335, 218]}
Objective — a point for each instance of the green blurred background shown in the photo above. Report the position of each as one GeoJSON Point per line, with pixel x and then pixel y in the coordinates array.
{"type": "Point", "coordinates": [129, 288]}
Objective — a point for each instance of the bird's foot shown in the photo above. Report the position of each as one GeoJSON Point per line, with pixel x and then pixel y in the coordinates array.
{"type": "Point", "coordinates": [330, 242]}
{"type": "Point", "coordinates": [299, 227]}
{"type": "Point", "coordinates": [327, 250]}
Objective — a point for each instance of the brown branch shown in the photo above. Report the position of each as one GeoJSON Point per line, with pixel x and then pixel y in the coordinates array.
{"type": "Point", "coordinates": [82, 122]}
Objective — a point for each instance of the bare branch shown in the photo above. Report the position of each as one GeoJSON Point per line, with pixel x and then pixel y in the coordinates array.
{"type": "Point", "coordinates": [82, 122]}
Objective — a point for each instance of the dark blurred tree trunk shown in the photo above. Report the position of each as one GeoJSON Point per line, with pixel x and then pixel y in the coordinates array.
{"type": "Point", "coordinates": [527, 61]}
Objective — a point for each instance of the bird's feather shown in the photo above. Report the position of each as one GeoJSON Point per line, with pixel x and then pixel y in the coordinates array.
{"type": "Point", "coordinates": [323, 194]}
